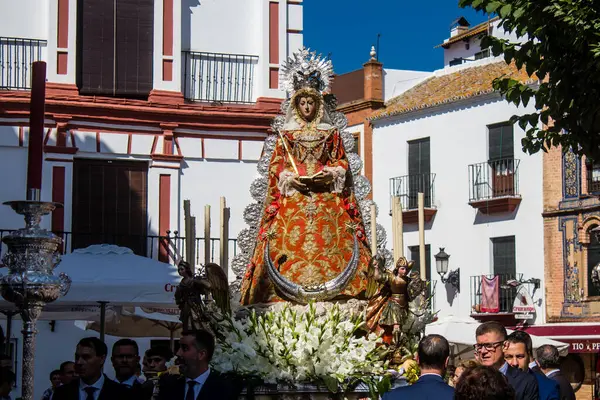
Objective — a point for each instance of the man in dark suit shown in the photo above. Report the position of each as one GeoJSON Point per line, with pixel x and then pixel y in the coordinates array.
{"type": "Point", "coordinates": [432, 357]}
{"type": "Point", "coordinates": [518, 353]}
{"type": "Point", "coordinates": [489, 351]}
{"type": "Point", "coordinates": [125, 357]}
{"type": "Point", "coordinates": [125, 360]}
{"type": "Point", "coordinates": [92, 384]}
{"type": "Point", "coordinates": [197, 381]}
{"type": "Point", "coordinates": [548, 358]}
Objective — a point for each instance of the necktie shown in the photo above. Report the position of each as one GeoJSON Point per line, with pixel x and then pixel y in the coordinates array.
{"type": "Point", "coordinates": [190, 393]}
{"type": "Point", "coordinates": [90, 393]}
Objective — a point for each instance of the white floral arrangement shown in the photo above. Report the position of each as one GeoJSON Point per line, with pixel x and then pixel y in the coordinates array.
{"type": "Point", "coordinates": [294, 345]}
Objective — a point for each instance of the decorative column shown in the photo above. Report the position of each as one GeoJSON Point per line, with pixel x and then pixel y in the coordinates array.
{"type": "Point", "coordinates": [32, 251]}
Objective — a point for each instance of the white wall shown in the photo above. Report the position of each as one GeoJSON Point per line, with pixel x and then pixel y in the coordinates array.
{"type": "Point", "coordinates": [459, 138]}
{"type": "Point", "coordinates": [24, 19]}
{"type": "Point", "coordinates": [208, 33]}
{"type": "Point", "coordinates": [396, 82]}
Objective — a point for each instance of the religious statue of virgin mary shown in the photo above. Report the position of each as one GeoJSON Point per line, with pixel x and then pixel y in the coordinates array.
{"type": "Point", "coordinates": [310, 241]}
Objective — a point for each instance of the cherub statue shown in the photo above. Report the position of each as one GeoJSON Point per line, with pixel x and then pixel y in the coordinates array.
{"type": "Point", "coordinates": [390, 293]}
{"type": "Point", "coordinates": [195, 291]}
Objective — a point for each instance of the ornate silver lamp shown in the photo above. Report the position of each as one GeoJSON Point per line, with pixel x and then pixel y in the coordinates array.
{"type": "Point", "coordinates": [32, 251]}
{"type": "Point", "coordinates": [32, 255]}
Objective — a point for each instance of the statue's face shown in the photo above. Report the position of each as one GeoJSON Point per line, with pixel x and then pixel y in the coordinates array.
{"type": "Point", "coordinates": [307, 107]}
{"type": "Point", "coordinates": [402, 271]}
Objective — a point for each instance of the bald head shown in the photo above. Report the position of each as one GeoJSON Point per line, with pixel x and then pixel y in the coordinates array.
{"type": "Point", "coordinates": [433, 353]}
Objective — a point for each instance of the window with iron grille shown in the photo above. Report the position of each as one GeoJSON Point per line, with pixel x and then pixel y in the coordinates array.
{"type": "Point", "coordinates": [593, 259]}
{"type": "Point", "coordinates": [504, 256]}
{"type": "Point", "coordinates": [456, 61]}
{"type": "Point", "coordinates": [115, 44]}
{"type": "Point", "coordinates": [482, 54]}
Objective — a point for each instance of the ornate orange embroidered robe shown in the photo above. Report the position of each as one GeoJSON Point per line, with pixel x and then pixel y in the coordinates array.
{"type": "Point", "coordinates": [311, 235]}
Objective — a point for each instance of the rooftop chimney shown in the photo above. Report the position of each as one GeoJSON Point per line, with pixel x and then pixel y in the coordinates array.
{"type": "Point", "coordinates": [459, 26]}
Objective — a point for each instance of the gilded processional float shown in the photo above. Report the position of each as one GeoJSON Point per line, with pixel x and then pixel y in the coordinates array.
{"type": "Point", "coordinates": [320, 308]}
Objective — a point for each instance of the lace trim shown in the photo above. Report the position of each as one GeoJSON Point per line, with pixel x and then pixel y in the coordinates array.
{"type": "Point", "coordinates": [285, 183]}
{"type": "Point", "coordinates": [339, 178]}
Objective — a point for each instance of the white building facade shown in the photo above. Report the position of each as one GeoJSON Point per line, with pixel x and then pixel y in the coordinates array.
{"type": "Point", "coordinates": [450, 138]}
{"type": "Point", "coordinates": [147, 105]}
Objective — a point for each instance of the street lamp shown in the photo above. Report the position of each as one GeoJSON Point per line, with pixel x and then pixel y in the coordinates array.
{"type": "Point", "coordinates": [441, 265]}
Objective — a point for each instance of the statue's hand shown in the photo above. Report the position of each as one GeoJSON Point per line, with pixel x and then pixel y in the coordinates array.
{"type": "Point", "coordinates": [299, 186]}
{"type": "Point", "coordinates": [324, 179]}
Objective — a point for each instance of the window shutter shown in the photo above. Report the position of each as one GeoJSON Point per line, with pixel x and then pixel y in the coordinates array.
{"type": "Point", "coordinates": [130, 73]}
{"type": "Point", "coordinates": [135, 37]}
{"type": "Point", "coordinates": [418, 157]}
{"type": "Point", "coordinates": [501, 142]}
{"type": "Point", "coordinates": [110, 204]}
{"type": "Point", "coordinates": [504, 258]}
{"type": "Point", "coordinates": [96, 40]}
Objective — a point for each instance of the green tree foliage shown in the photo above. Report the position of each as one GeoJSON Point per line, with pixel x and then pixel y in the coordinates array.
{"type": "Point", "coordinates": [561, 46]}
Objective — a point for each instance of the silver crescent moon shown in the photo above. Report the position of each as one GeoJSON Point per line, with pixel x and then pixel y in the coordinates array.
{"type": "Point", "coordinates": [303, 294]}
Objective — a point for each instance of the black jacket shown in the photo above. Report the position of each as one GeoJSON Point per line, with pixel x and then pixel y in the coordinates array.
{"type": "Point", "coordinates": [524, 384]}
{"type": "Point", "coordinates": [566, 390]}
{"type": "Point", "coordinates": [111, 390]}
{"type": "Point", "coordinates": [172, 387]}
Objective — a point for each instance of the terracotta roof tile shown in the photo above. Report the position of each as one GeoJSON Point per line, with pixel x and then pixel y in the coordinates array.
{"type": "Point", "coordinates": [463, 84]}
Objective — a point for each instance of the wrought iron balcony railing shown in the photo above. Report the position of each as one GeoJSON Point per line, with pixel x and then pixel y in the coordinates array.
{"type": "Point", "coordinates": [493, 179]}
{"type": "Point", "coordinates": [150, 246]}
{"type": "Point", "coordinates": [16, 56]}
{"type": "Point", "coordinates": [219, 78]}
{"type": "Point", "coordinates": [506, 293]}
{"type": "Point", "coordinates": [408, 188]}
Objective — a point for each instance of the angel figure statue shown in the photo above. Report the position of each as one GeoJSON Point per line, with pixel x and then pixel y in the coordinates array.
{"type": "Point", "coordinates": [311, 241]}
{"type": "Point", "coordinates": [194, 293]}
{"type": "Point", "coordinates": [390, 293]}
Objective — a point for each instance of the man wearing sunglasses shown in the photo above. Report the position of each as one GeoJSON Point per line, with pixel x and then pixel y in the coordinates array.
{"type": "Point", "coordinates": [489, 351]}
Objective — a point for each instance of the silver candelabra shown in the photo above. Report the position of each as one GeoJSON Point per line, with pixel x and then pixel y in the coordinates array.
{"type": "Point", "coordinates": [30, 284]}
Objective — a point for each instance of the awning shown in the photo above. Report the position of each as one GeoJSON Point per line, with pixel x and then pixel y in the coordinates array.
{"type": "Point", "coordinates": [581, 337]}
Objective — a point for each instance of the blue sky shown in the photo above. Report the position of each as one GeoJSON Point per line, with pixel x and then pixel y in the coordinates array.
{"type": "Point", "coordinates": [409, 31]}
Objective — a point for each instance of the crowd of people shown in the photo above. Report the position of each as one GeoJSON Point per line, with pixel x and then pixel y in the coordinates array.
{"type": "Point", "coordinates": [504, 369]}
{"type": "Point", "coordinates": [83, 378]}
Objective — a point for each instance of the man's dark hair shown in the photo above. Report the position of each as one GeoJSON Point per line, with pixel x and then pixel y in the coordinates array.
{"type": "Point", "coordinates": [491, 326]}
{"type": "Point", "coordinates": [204, 341]}
{"type": "Point", "coordinates": [94, 343]}
{"type": "Point", "coordinates": [126, 342]}
{"type": "Point", "coordinates": [63, 365]}
{"type": "Point", "coordinates": [55, 372]}
{"type": "Point", "coordinates": [160, 351]}
{"type": "Point", "coordinates": [433, 352]}
{"type": "Point", "coordinates": [483, 382]}
{"type": "Point", "coordinates": [548, 356]}
{"type": "Point", "coordinates": [7, 376]}
{"type": "Point", "coordinates": [521, 337]}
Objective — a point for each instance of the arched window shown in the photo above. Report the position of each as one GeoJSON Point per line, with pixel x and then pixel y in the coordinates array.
{"type": "Point", "coordinates": [593, 259]}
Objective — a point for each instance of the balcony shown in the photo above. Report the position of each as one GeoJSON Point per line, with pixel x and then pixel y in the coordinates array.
{"type": "Point", "coordinates": [500, 306]}
{"type": "Point", "coordinates": [151, 246]}
{"type": "Point", "coordinates": [494, 186]}
{"type": "Point", "coordinates": [219, 78]}
{"type": "Point", "coordinates": [16, 56]}
{"type": "Point", "coordinates": [408, 188]}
